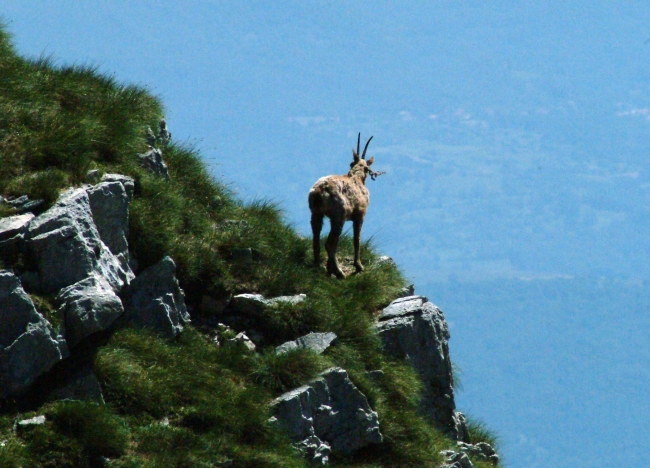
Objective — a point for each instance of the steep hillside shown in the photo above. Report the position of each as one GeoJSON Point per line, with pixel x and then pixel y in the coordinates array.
{"type": "Point", "coordinates": [201, 398]}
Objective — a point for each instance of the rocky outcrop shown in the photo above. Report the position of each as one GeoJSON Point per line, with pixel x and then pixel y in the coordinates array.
{"type": "Point", "coordinates": [480, 451]}
{"type": "Point", "coordinates": [126, 181]}
{"type": "Point", "coordinates": [461, 458]}
{"type": "Point", "coordinates": [14, 226]}
{"type": "Point", "coordinates": [87, 307]}
{"type": "Point", "coordinates": [155, 300]}
{"type": "Point", "coordinates": [317, 342]}
{"type": "Point", "coordinates": [328, 413]}
{"type": "Point", "coordinates": [12, 235]}
{"type": "Point", "coordinates": [415, 330]}
{"type": "Point", "coordinates": [164, 134]}
{"type": "Point", "coordinates": [255, 304]}
{"type": "Point", "coordinates": [153, 162]}
{"type": "Point", "coordinates": [243, 340]}
{"type": "Point", "coordinates": [66, 246]}
{"type": "Point", "coordinates": [23, 204]}
{"type": "Point", "coordinates": [29, 346]}
{"type": "Point", "coordinates": [78, 251]}
{"type": "Point", "coordinates": [456, 460]}
{"type": "Point", "coordinates": [109, 203]}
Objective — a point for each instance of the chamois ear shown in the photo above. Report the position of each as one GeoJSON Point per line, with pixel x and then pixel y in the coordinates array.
{"type": "Point", "coordinates": [355, 156]}
{"type": "Point", "coordinates": [370, 161]}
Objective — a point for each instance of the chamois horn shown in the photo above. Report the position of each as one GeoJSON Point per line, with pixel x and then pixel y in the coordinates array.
{"type": "Point", "coordinates": [363, 156]}
{"type": "Point", "coordinates": [358, 143]}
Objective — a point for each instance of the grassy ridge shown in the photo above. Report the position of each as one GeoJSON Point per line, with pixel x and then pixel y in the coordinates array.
{"type": "Point", "coordinates": [190, 403]}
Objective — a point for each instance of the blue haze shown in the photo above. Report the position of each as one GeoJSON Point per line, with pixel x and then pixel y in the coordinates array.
{"type": "Point", "coordinates": [514, 137]}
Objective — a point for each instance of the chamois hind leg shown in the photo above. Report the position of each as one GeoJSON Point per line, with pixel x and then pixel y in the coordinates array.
{"type": "Point", "coordinates": [336, 226]}
{"type": "Point", "coordinates": [357, 223]}
{"type": "Point", "coordinates": [316, 226]}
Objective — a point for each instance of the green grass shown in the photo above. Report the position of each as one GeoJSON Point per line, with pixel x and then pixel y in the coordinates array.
{"type": "Point", "coordinates": [189, 402]}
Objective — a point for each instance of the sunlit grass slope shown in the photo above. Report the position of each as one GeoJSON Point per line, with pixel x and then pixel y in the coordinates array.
{"type": "Point", "coordinates": [189, 403]}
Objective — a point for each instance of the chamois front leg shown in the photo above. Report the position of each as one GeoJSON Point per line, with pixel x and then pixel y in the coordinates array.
{"type": "Point", "coordinates": [357, 224]}
{"type": "Point", "coordinates": [336, 227]}
{"type": "Point", "coordinates": [316, 226]}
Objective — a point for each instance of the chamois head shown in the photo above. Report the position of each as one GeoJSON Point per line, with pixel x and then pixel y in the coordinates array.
{"type": "Point", "coordinates": [359, 165]}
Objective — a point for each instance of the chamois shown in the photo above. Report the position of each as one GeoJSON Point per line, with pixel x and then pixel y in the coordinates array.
{"type": "Point", "coordinates": [341, 198]}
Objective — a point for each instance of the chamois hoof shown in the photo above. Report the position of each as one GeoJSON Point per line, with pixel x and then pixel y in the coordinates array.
{"type": "Point", "coordinates": [359, 267]}
{"type": "Point", "coordinates": [336, 271]}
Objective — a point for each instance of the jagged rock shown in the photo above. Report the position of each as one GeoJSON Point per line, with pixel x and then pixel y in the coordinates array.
{"type": "Point", "coordinates": [460, 423]}
{"type": "Point", "coordinates": [109, 203]}
{"type": "Point", "coordinates": [87, 307]}
{"type": "Point", "coordinates": [14, 225]}
{"type": "Point", "coordinates": [481, 451]}
{"type": "Point", "coordinates": [92, 176]}
{"type": "Point", "coordinates": [456, 460]}
{"type": "Point", "coordinates": [12, 235]}
{"type": "Point", "coordinates": [316, 451]}
{"type": "Point", "coordinates": [66, 245]}
{"type": "Point", "coordinates": [155, 300]}
{"type": "Point", "coordinates": [317, 342]}
{"type": "Point", "coordinates": [82, 385]}
{"type": "Point", "coordinates": [126, 181]}
{"type": "Point", "coordinates": [150, 136]}
{"type": "Point", "coordinates": [385, 260]}
{"type": "Point", "coordinates": [164, 134]}
{"type": "Point", "coordinates": [31, 422]}
{"type": "Point", "coordinates": [407, 291]}
{"type": "Point", "coordinates": [244, 340]}
{"type": "Point", "coordinates": [331, 409]}
{"type": "Point", "coordinates": [415, 330]}
{"type": "Point", "coordinates": [29, 346]}
{"type": "Point", "coordinates": [256, 304]}
{"type": "Point", "coordinates": [23, 204]}
{"type": "Point", "coordinates": [153, 162]}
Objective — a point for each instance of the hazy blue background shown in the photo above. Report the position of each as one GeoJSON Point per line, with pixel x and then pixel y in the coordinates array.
{"type": "Point", "coordinates": [517, 195]}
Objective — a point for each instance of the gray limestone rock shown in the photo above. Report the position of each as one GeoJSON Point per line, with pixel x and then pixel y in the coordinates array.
{"type": "Point", "coordinates": [67, 246]}
{"type": "Point", "coordinates": [317, 342]}
{"type": "Point", "coordinates": [109, 203]}
{"type": "Point", "coordinates": [316, 451]}
{"type": "Point", "coordinates": [415, 330]}
{"type": "Point", "coordinates": [29, 346]}
{"type": "Point", "coordinates": [244, 340]}
{"type": "Point", "coordinates": [12, 235]}
{"type": "Point", "coordinates": [126, 181]}
{"type": "Point", "coordinates": [153, 162]}
{"type": "Point", "coordinates": [14, 225]}
{"type": "Point", "coordinates": [31, 422]}
{"type": "Point", "coordinates": [23, 204]}
{"type": "Point", "coordinates": [456, 460]}
{"type": "Point", "coordinates": [155, 300]}
{"type": "Point", "coordinates": [87, 307]}
{"type": "Point", "coordinates": [92, 176]}
{"type": "Point", "coordinates": [163, 133]}
{"type": "Point", "coordinates": [150, 136]}
{"type": "Point", "coordinates": [481, 451]}
{"type": "Point", "coordinates": [256, 304]}
{"type": "Point", "coordinates": [333, 410]}
{"type": "Point", "coordinates": [407, 291]}
{"type": "Point", "coordinates": [384, 260]}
